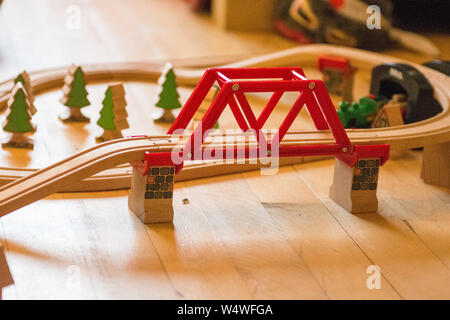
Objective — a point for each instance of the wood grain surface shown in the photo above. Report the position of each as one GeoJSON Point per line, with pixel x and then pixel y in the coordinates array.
{"type": "Point", "coordinates": [240, 236]}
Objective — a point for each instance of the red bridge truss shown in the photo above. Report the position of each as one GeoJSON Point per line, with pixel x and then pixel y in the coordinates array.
{"type": "Point", "coordinates": [234, 83]}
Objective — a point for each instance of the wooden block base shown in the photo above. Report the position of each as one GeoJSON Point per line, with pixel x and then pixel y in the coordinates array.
{"type": "Point", "coordinates": [436, 164]}
{"type": "Point", "coordinates": [74, 120]}
{"type": "Point", "coordinates": [19, 140]}
{"type": "Point", "coordinates": [355, 189]}
{"type": "Point", "coordinates": [74, 115]}
{"type": "Point", "coordinates": [163, 116]}
{"type": "Point", "coordinates": [151, 195]}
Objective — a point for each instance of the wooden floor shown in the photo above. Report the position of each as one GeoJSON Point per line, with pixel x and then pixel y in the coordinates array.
{"type": "Point", "coordinates": [243, 236]}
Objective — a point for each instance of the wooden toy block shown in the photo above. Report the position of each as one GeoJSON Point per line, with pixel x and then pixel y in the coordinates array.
{"type": "Point", "coordinates": [24, 78]}
{"type": "Point", "coordinates": [392, 113]}
{"type": "Point", "coordinates": [244, 15]}
{"type": "Point", "coordinates": [167, 96]}
{"type": "Point", "coordinates": [436, 164]}
{"type": "Point", "coordinates": [5, 274]}
{"type": "Point", "coordinates": [338, 76]}
{"type": "Point", "coordinates": [355, 189]}
{"type": "Point", "coordinates": [75, 95]}
{"type": "Point", "coordinates": [389, 116]}
{"type": "Point", "coordinates": [113, 115]}
{"type": "Point", "coordinates": [151, 195]}
{"type": "Point", "coordinates": [18, 119]}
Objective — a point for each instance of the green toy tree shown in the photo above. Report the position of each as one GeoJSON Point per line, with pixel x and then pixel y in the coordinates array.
{"type": "Point", "coordinates": [18, 119]}
{"type": "Point", "coordinates": [167, 96]}
{"type": "Point", "coordinates": [75, 94]}
{"type": "Point", "coordinates": [113, 115]}
{"type": "Point", "coordinates": [106, 120]}
{"type": "Point", "coordinates": [25, 80]}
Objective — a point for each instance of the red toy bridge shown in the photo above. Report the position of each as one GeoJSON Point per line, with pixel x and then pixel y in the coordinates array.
{"type": "Point", "coordinates": [234, 83]}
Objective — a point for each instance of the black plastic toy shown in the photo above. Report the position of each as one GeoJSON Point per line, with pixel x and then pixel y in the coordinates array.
{"type": "Point", "coordinates": [392, 78]}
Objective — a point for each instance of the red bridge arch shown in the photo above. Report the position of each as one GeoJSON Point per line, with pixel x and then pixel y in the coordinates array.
{"type": "Point", "coordinates": [234, 83]}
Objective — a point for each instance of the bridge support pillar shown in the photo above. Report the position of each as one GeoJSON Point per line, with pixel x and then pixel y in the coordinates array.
{"type": "Point", "coordinates": [355, 189]}
{"type": "Point", "coordinates": [436, 164]}
{"type": "Point", "coordinates": [151, 195]}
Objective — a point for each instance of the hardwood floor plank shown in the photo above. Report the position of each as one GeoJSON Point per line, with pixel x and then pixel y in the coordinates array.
{"type": "Point", "coordinates": [407, 263]}
{"type": "Point", "coordinates": [88, 238]}
{"type": "Point", "coordinates": [335, 260]}
{"type": "Point", "coordinates": [266, 262]}
{"type": "Point", "coordinates": [196, 260]}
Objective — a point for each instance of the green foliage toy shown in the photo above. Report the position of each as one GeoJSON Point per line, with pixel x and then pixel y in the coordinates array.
{"type": "Point", "coordinates": [25, 80]}
{"type": "Point", "coordinates": [106, 120]}
{"type": "Point", "coordinates": [75, 95]}
{"type": "Point", "coordinates": [361, 114]}
{"type": "Point", "coordinates": [167, 96]}
{"type": "Point", "coordinates": [113, 115]}
{"type": "Point", "coordinates": [18, 119]}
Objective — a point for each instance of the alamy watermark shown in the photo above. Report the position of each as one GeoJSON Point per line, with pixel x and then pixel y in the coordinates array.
{"type": "Point", "coordinates": [374, 20]}
{"type": "Point", "coordinates": [73, 20]}
{"type": "Point", "coordinates": [374, 280]}
{"type": "Point", "coordinates": [73, 281]}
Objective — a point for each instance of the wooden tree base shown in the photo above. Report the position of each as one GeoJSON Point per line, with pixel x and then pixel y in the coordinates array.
{"type": "Point", "coordinates": [436, 164]}
{"type": "Point", "coordinates": [19, 140]}
{"type": "Point", "coordinates": [163, 116]}
{"type": "Point", "coordinates": [75, 115]}
{"type": "Point", "coordinates": [355, 189]}
{"type": "Point", "coordinates": [151, 195]}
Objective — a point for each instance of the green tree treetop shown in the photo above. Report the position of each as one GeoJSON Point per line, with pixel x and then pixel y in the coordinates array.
{"type": "Point", "coordinates": [113, 115]}
{"type": "Point", "coordinates": [24, 79]}
{"type": "Point", "coordinates": [75, 93]}
{"type": "Point", "coordinates": [106, 120]}
{"type": "Point", "coordinates": [18, 118]}
{"type": "Point", "coordinates": [167, 93]}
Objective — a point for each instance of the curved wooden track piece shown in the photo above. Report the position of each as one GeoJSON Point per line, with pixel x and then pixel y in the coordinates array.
{"type": "Point", "coordinates": [95, 169]}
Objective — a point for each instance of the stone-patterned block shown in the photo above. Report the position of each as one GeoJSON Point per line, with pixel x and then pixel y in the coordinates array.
{"type": "Point", "coordinates": [355, 188]}
{"type": "Point", "coordinates": [151, 196]}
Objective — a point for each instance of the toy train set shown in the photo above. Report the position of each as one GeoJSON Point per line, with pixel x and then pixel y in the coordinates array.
{"type": "Point", "coordinates": [74, 173]}
{"type": "Point", "coordinates": [400, 116]}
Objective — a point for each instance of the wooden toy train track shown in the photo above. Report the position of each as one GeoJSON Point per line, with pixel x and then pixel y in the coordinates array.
{"type": "Point", "coordinates": [85, 171]}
